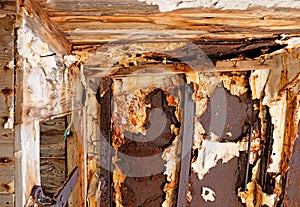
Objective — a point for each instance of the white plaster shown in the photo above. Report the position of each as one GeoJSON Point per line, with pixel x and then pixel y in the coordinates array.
{"type": "Point", "coordinates": [169, 5]}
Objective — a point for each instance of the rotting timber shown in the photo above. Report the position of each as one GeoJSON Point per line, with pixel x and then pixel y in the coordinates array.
{"type": "Point", "coordinates": [130, 65]}
{"type": "Point", "coordinates": [250, 106]}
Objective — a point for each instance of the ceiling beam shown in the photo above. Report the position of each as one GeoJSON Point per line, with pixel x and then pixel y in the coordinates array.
{"type": "Point", "coordinates": [40, 22]}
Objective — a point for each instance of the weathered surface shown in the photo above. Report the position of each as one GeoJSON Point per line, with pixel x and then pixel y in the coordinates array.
{"type": "Point", "coordinates": [39, 21]}
{"type": "Point", "coordinates": [292, 185]}
{"type": "Point", "coordinates": [7, 200]}
{"type": "Point", "coordinates": [169, 5]}
{"type": "Point", "coordinates": [8, 7]}
{"type": "Point", "coordinates": [77, 157]}
{"type": "Point", "coordinates": [222, 180]}
{"type": "Point", "coordinates": [7, 160]}
{"type": "Point", "coordinates": [52, 155]}
{"type": "Point", "coordinates": [47, 85]}
{"type": "Point", "coordinates": [151, 65]}
{"type": "Point", "coordinates": [225, 31]}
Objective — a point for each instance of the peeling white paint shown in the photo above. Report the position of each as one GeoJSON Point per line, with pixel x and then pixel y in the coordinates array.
{"type": "Point", "coordinates": [169, 5]}
{"type": "Point", "coordinates": [258, 80]}
{"type": "Point", "coordinates": [69, 60]}
{"type": "Point", "coordinates": [208, 194]}
{"type": "Point", "coordinates": [211, 152]}
{"type": "Point", "coordinates": [171, 156]}
{"type": "Point", "coordinates": [278, 114]}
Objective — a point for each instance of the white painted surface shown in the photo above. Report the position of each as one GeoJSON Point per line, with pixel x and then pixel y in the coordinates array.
{"type": "Point", "coordinates": [169, 5]}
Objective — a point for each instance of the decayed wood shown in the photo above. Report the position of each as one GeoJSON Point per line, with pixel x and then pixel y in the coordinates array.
{"type": "Point", "coordinates": [39, 21]}
{"type": "Point", "coordinates": [102, 22]}
{"type": "Point", "coordinates": [52, 152]}
{"type": "Point", "coordinates": [8, 6]}
{"type": "Point", "coordinates": [6, 167]}
{"type": "Point", "coordinates": [6, 108]}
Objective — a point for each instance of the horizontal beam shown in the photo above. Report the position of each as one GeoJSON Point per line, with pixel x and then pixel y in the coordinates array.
{"type": "Point", "coordinates": [181, 68]}
{"type": "Point", "coordinates": [90, 26]}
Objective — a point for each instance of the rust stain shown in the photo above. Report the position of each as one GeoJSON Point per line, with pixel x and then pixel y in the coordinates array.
{"type": "Point", "coordinates": [6, 92]}
{"type": "Point", "coordinates": [8, 187]}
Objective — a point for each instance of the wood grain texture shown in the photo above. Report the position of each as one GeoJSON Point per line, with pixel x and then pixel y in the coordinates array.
{"type": "Point", "coordinates": [99, 22]}
{"type": "Point", "coordinates": [6, 200]}
{"type": "Point", "coordinates": [6, 106]}
{"type": "Point", "coordinates": [53, 157]}
{"type": "Point", "coordinates": [76, 157]}
{"type": "Point", "coordinates": [8, 7]}
{"type": "Point", "coordinates": [39, 21]}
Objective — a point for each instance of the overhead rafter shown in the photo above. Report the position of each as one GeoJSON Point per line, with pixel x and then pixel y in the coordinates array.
{"type": "Point", "coordinates": [40, 22]}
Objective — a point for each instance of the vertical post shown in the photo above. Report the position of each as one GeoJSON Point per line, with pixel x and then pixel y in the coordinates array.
{"type": "Point", "coordinates": [187, 142]}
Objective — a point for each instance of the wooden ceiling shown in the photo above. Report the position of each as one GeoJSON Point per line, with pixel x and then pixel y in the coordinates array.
{"type": "Point", "coordinates": [100, 21]}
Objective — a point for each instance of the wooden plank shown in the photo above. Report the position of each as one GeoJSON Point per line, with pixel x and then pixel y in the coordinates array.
{"type": "Point", "coordinates": [52, 139]}
{"type": "Point", "coordinates": [52, 155]}
{"type": "Point", "coordinates": [7, 77]}
{"type": "Point", "coordinates": [8, 7]}
{"type": "Point", "coordinates": [53, 174]}
{"type": "Point", "coordinates": [6, 200]}
{"type": "Point", "coordinates": [39, 21]}
{"type": "Point", "coordinates": [6, 160]}
{"type": "Point", "coordinates": [6, 105]}
{"type": "Point", "coordinates": [98, 23]}
{"type": "Point", "coordinates": [76, 157]}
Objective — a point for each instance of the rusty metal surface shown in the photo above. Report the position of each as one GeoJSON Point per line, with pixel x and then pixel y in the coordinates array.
{"type": "Point", "coordinates": [187, 143]}
{"type": "Point", "coordinates": [61, 196]}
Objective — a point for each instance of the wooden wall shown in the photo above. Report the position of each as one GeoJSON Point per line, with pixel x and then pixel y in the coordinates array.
{"type": "Point", "coordinates": [7, 110]}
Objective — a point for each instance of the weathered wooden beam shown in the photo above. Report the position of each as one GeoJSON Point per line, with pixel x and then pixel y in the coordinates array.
{"type": "Point", "coordinates": [91, 26]}
{"type": "Point", "coordinates": [182, 68]}
{"type": "Point", "coordinates": [39, 21]}
{"type": "Point", "coordinates": [8, 7]}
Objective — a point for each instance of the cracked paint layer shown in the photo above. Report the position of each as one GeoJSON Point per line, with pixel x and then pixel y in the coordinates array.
{"type": "Point", "coordinates": [169, 5]}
